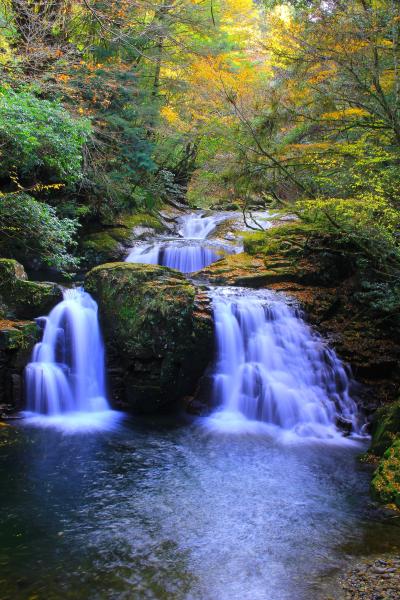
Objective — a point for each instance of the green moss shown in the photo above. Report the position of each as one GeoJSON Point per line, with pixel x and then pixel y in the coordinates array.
{"type": "Point", "coordinates": [385, 428]}
{"type": "Point", "coordinates": [108, 244]}
{"type": "Point", "coordinates": [18, 335]}
{"type": "Point", "coordinates": [385, 485]}
{"type": "Point", "coordinates": [288, 239]}
{"type": "Point", "coordinates": [141, 220]}
{"type": "Point", "coordinates": [152, 328]}
{"type": "Point", "coordinates": [10, 270]}
{"type": "Point", "coordinates": [21, 298]}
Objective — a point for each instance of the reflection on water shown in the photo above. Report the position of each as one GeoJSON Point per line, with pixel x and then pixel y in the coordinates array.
{"type": "Point", "coordinates": [170, 512]}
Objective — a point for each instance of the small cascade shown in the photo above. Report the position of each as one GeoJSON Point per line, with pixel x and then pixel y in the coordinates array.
{"type": "Point", "coordinates": [189, 256]}
{"type": "Point", "coordinates": [66, 375]}
{"type": "Point", "coordinates": [272, 368]}
{"type": "Point", "coordinates": [184, 258]}
{"type": "Point", "coordinates": [197, 226]}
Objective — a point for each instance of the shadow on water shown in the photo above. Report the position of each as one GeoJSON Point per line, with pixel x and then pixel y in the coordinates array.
{"type": "Point", "coordinates": [157, 510]}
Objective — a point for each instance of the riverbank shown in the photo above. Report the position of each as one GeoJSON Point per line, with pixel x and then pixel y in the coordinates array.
{"type": "Point", "coordinates": [377, 579]}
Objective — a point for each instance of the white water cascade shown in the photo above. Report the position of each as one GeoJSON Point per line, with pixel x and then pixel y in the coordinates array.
{"type": "Point", "coordinates": [66, 376]}
{"type": "Point", "coordinates": [272, 368]}
{"type": "Point", "coordinates": [186, 256]}
{"type": "Point", "coordinates": [198, 226]}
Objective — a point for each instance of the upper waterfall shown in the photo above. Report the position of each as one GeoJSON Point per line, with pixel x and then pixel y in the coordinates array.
{"type": "Point", "coordinates": [188, 255]}
{"type": "Point", "coordinates": [198, 226]}
{"type": "Point", "coordinates": [271, 367]}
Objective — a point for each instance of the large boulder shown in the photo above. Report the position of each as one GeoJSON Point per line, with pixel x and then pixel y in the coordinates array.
{"type": "Point", "coordinates": [158, 332]}
{"type": "Point", "coordinates": [23, 299]}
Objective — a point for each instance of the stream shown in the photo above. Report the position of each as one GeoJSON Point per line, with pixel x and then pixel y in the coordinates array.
{"type": "Point", "coordinates": [266, 499]}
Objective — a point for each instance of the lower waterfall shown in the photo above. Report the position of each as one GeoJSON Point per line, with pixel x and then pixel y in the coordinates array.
{"type": "Point", "coordinates": [272, 368]}
{"type": "Point", "coordinates": [65, 380]}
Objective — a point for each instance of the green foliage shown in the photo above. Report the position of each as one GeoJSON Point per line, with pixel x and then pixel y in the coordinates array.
{"type": "Point", "coordinates": [31, 232]}
{"type": "Point", "coordinates": [39, 139]}
{"type": "Point", "coordinates": [367, 223]}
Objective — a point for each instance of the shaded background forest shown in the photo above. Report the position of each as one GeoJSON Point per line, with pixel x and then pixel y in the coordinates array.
{"type": "Point", "coordinates": [121, 107]}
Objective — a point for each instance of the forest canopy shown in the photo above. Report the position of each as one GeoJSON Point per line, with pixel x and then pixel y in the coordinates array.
{"type": "Point", "coordinates": [124, 106]}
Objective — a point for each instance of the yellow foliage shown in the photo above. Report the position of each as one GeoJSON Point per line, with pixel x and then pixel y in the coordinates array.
{"type": "Point", "coordinates": [345, 113]}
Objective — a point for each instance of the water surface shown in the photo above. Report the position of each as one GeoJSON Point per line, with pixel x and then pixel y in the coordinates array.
{"type": "Point", "coordinates": [163, 511]}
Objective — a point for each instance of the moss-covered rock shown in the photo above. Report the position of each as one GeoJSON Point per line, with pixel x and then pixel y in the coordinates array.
{"type": "Point", "coordinates": [101, 246]}
{"type": "Point", "coordinates": [385, 485]}
{"type": "Point", "coordinates": [158, 332]}
{"type": "Point", "coordinates": [385, 428]}
{"type": "Point", "coordinates": [110, 243]}
{"type": "Point", "coordinates": [23, 299]}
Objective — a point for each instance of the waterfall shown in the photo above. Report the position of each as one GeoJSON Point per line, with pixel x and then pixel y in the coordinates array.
{"type": "Point", "coordinates": [197, 226]}
{"type": "Point", "coordinates": [272, 368]}
{"type": "Point", "coordinates": [66, 375]}
{"type": "Point", "coordinates": [184, 258]}
{"type": "Point", "coordinates": [189, 256]}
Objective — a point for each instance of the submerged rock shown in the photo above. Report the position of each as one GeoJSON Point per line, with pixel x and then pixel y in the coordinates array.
{"type": "Point", "coordinates": [377, 579]}
{"type": "Point", "coordinates": [158, 332]}
{"type": "Point", "coordinates": [23, 299]}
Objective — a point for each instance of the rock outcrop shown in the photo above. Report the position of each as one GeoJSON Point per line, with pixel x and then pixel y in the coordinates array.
{"type": "Point", "coordinates": [20, 301]}
{"type": "Point", "coordinates": [23, 299]}
{"type": "Point", "coordinates": [158, 332]}
{"type": "Point", "coordinates": [17, 339]}
{"type": "Point", "coordinates": [111, 243]}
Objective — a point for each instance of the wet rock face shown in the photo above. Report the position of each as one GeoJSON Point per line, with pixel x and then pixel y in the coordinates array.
{"type": "Point", "coordinates": [23, 299]}
{"type": "Point", "coordinates": [17, 339]}
{"type": "Point", "coordinates": [158, 332]}
{"type": "Point", "coordinates": [19, 299]}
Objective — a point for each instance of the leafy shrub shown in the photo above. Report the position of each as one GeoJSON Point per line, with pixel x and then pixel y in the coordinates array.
{"type": "Point", "coordinates": [39, 138]}
{"type": "Point", "coordinates": [31, 231]}
{"type": "Point", "coordinates": [367, 224]}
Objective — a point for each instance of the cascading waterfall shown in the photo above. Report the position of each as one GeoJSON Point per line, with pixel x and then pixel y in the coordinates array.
{"type": "Point", "coordinates": [185, 257]}
{"type": "Point", "coordinates": [272, 368]}
{"type": "Point", "coordinates": [197, 226]}
{"type": "Point", "coordinates": [66, 376]}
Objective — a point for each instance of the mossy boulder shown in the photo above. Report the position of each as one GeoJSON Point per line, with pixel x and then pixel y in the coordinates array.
{"type": "Point", "coordinates": [385, 485]}
{"type": "Point", "coordinates": [101, 246]}
{"type": "Point", "coordinates": [158, 332]}
{"type": "Point", "coordinates": [23, 299]}
{"type": "Point", "coordinates": [110, 243]}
